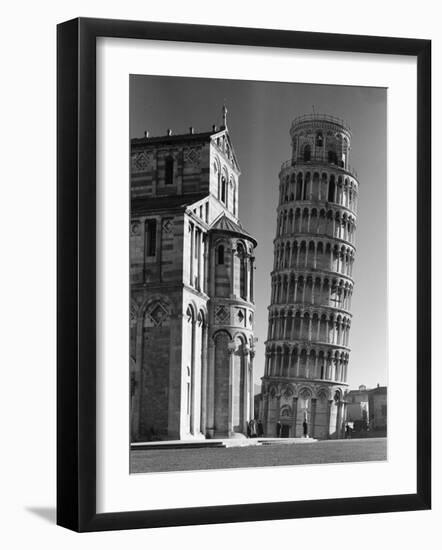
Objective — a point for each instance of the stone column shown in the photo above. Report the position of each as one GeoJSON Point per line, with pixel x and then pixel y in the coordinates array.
{"type": "Point", "coordinates": [200, 261]}
{"type": "Point", "coordinates": [278, 410]}
{"type": "Point", "coordinates": [191, 229]}
{"type": "Point", "coordinates": [251, 389]}
{"type": "Point", "coordinates": [294, 415]}
{"type": "Point", "coordinates": [252, 289]}
{"type": "Point", "coordinates": [245, 391]}
{"type": "Point", "coordinates": [284, 333]}
{"type": "Point", "coordinates": [193, 381]}
{"type": "Point", "coordinates": [339, 421]}
{"type": "Point", "coordinates": [210, 427]}
{"type": "Point", "coordinates": [313, 418]}
{"type": "Point", "coordinates": [203, 421]}
{"type": "Point", "coordinates": [136, 421]}
{"type": "Point", "coordinates": [231, 367]}
{"type": "Point", "coordinates": [232, 274]}
{"type": "Point", "coordinates": [205, 284]}
{"type": "Point", "coordinates": [245, 261]}
{"type": "Point", "coordinates": [159, 248]}
{"type": "Point", "coordinates": [329, 404]}
{"type": "Point", "coordinates": [266, 413]}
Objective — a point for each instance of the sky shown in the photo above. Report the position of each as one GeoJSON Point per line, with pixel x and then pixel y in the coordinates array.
{"type": "Point", "coordinates": [259, 119]}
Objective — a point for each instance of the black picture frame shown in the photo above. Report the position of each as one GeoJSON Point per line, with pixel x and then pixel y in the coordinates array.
{"type": "Point", "coordinates": [76, 273]}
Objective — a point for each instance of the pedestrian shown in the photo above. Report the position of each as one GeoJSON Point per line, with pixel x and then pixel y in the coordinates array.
{"type": "Point", "coordinates": [305, 428]}
{"type": "Point", "coordinates": [260, 428]}
{"type": "Point", "coordinates": [252, 428]}
{"type": "Point", "coordinates": [278, 429]}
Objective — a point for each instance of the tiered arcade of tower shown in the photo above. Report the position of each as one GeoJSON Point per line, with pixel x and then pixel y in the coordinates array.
{"type": "Point", "coordinates": [307, 347]}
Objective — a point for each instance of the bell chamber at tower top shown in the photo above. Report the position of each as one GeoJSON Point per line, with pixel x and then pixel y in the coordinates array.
{"type": "Point", "coordinates": [320, 138]}
{"type": "Point", "coordinates": [319, 169]}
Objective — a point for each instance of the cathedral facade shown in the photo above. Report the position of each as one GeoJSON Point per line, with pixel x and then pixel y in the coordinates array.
{"type": "Point", "coordinates": [307, 347]}
{"type": "Point", "coordinates": [191, 284]}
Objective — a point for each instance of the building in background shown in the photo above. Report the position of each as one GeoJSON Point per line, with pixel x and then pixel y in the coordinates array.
{"type": "Point", "coordinates": [367, 409]}
{"type": "Point", "coordinates": [191, 285]}
{"type": "Point", "coordinates": [307, 347]}
{"type": "Point", "coordinates": [357, 408]}
{"type": "Point", "coordinates": [377, 407]}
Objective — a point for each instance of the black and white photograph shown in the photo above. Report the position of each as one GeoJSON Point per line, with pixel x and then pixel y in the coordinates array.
{"type": "Point", "coordinates": [258, 274]}
{"type": "Point", "coordinates": [221, 254]}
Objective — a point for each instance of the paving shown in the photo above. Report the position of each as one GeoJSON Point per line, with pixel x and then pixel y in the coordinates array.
{"type": "Point", "coordinates": [209, 443]}
{"type": "Point", "coordinates": [167, 459]}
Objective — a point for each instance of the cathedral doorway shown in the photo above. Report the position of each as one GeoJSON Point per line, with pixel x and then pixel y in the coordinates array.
{"type": "Point", "coordinates": [285, 430]}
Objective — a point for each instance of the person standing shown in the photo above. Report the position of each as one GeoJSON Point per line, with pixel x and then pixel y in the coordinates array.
{"type": "Point", "coordinates": [260, 428]}
{"type": "Point", "coordinates": [305, 428]}
{"type": "Point", "coordinates": [252, 428]}
{"type": "Point", "coordinates": [278, 429]}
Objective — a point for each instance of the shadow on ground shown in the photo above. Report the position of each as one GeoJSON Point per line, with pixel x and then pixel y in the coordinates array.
{"type": "Point", "coordinates": [47, 513]}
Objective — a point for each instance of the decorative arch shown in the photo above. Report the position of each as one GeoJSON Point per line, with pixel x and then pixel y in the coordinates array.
{"type": "Point", "coordinates": [221, 332]}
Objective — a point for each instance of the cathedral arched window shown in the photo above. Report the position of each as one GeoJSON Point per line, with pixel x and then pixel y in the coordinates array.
{"type": "Point", "coordinates": [168, 177]}
{"type": "Point", "coordinates": [242, 272]}
{"type": "Point", "coordinates": [220, 256]}
{"type": "Point", "coordinates": [307, 153]}
{"type": "Point", "coordinates": [319, 139]}
{"type": "Point", "coordinates": [151, 237]}
{"type": "Point", "coordinates": [223, 189]}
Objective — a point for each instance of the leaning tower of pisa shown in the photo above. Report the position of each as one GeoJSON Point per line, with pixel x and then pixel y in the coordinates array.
{"type": "Point", "coordinates": [307, 347]}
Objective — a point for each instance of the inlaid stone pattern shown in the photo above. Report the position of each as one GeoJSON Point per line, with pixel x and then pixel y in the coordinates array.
{"type": "Point", "coordinates": [192, 156]}
{"type": "Point", "coordinates": [141, 161]}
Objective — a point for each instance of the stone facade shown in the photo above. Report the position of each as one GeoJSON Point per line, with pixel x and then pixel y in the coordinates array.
{"type": "Point", "coordinates": [367, 408]}
{"type": "Point", "coordinates": [357, 408]}
{"type": "Point", "coordinates": [307, 347]}
{"type": "Point", "coordinates": [192, 305]}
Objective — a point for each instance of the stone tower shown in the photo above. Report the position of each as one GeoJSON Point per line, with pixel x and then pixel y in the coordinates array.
{"type": "Point", "coordinates": [307, 347]}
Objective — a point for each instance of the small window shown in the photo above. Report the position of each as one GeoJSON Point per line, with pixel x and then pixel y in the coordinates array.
{"type": "Point", "coordinates": [307, 153]}
{"type": "Point", "coordinates": [332, 157]}
{"type": "Point", "coordinates": [151, 237]}
{"type": "Point", "coordinates": [223, 189]}
{"type": "Point", "coordinates": [299, 188]}
{"type": "Point", "coordinates": [319, 139]}
{"type": "Point", "coordinates": [331, 190]}
{"type": "Point", "coordinates": [169, 171]}
{"type": "Point", "coordinates": [220, 255]}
